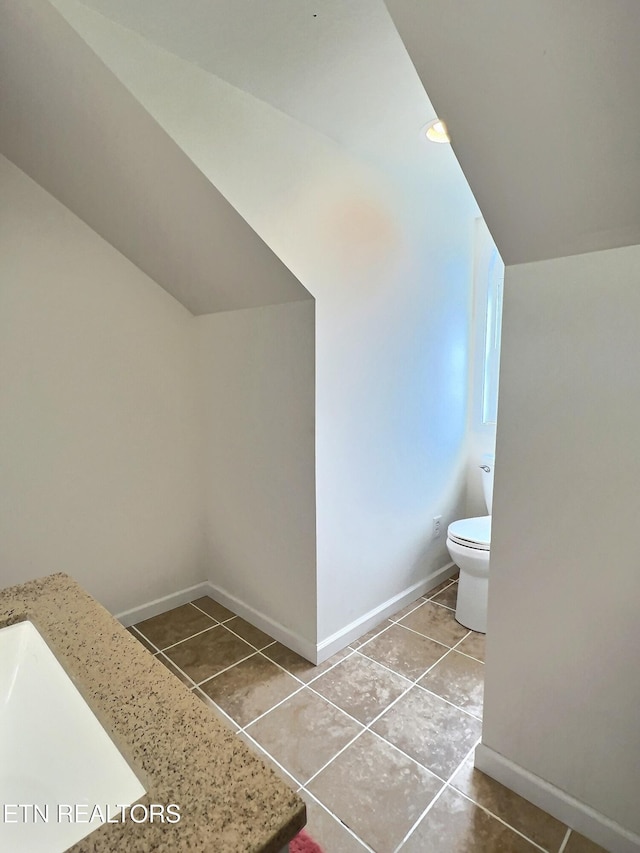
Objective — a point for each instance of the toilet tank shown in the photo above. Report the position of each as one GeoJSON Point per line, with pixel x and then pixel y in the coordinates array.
{"type": "Point", "coordinates": [488, 462]}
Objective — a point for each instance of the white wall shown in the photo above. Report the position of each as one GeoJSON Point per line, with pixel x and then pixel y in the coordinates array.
{"type": "Point", "coordinates": [388, 259]}
{"type": "Point", "coordinates": [100, 445]}
{"type": "Point", "coordinates": [256, 375]}
{"type": "Point", "coordinates": [387, 255]}
{"type": "Point", "coordinates": [392, 358]}
{"type": "Point", "coordinates": [562, 692]}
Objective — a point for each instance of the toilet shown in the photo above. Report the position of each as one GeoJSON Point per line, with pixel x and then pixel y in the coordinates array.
{"type": "Point", "coordinates": [469, 543]}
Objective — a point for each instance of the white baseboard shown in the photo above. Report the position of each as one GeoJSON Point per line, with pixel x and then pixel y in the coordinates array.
{"type": "Point", "coordinates": [579, 816]}
{"type": "Point", "coordinates": [284, 635]}
{"type": "Point", "coordinates": [360, 626]}
{"type": "Point", "coordinates": [309, 650]}
{"type": "Point", "coordinates": [159, 605]}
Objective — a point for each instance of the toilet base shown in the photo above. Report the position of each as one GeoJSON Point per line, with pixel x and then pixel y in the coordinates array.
{"type": "Point", "coordinates": [473, 586]}
{"type": "Point", "coordinates": [471, 607]}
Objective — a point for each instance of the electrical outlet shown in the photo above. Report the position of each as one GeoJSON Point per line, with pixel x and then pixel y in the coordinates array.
{"type": "Point", "coordinates": [437, 526]}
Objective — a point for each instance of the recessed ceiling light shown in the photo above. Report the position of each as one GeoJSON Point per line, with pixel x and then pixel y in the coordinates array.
{"type": "Point", "coordinates": [436, 131]}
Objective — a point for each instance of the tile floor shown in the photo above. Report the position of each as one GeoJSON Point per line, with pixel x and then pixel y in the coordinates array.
{"type": "Point", "coordinates": [378, 740]}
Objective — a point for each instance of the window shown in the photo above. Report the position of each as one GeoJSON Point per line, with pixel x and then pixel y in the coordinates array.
{"type": "Point", "coordinates": [488, 292]}
{"type": "Point", "coordinates": [492, 330]}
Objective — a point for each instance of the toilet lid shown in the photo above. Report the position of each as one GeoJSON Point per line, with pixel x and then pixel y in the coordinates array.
{"type": "Point", "coordinates": [472, 532]}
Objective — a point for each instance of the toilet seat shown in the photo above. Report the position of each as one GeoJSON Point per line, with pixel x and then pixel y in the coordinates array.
{"type": "Point", "coordinates": [471, 533]}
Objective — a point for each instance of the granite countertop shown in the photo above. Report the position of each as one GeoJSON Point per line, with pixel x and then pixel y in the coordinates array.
{"type": "Point", "coordinates": [230, 801]}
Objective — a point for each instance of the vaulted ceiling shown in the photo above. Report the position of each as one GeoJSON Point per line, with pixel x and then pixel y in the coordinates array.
{"type": "Point", "coordinates": [69, 124]}
{"type": "Point", "coordinates": [82, 124]}
{"type": "Point", "coordinates": [339, 67]}
{"type": "Point", "coordinates": [541, 98]}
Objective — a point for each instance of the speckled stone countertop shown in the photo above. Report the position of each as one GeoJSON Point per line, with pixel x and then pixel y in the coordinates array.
{"type": "Point", "coordinates": [230, 801]}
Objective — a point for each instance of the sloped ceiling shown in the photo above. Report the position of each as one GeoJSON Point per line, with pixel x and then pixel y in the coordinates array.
{"type": "Point", "coordinates": [541, 98]}
{"type": "Point", "coordinates": [338, 67]}
{"type": "Point", "coordinates": [241, 87]}
{"type": "Point", "coordinates": [68, 122]}
{"type": "Point", "coordinates": [338, 115]}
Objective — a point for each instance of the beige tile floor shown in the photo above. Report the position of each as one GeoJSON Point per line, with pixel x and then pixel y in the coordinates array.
{"type": "Point", "coordinates": [378, 740]}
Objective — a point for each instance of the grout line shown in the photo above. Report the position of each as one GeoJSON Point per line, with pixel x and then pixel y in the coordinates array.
{"type": "Point", "coordinates": [427, 637]}
{"type": "Point", "coordinates": [226, 669]}
{"type": "Point", "coordinates": [432, 592]}
{"type": "Point", "coordinates": [270, 757]}
{"type": "Point", "coordinates": [283, 668]}
{"type": "Point", "coordinates": [335, 817]}
{"type": "Point", "coordinates": [301, 683]}
{"type": "Point", "coordinates": [412, 680]}
{"type": "Point", "coordinates": [453, 705]}
{"type": "Point", "coordinates": [388, 668]}
{"type": "Point", "coordinates": [498, 818]}
{"type": "Point", "coordinates": [421, 818]}
{"type": "Point", "coordinates": [413, 683]}
{"type": "Point", "coordinates": [307, 684]}
{"type": "Point", "coordinates": [565, 840]}
{"type": "Point", "coordinates": [198, 683]}
{"type": "Point", "coordinates": [207, 701]}
{"type": "Point", "coordinates": [273, 707]}
{"type": "Point", "coordinates": [467, 655]}
{"type": "Point", "coordinates": [375, 636]}
{"type": "Point", "coordinates": [417, 603]}
{"type": "Point", "coordinates": [455, 647]}
{"type": "Point", "coordinates": [181, 671]}
{"type": "Point", "coordinates": [449, 784]}
{"type": "Point", "coordinates": [446, 606]}
{"type": "Point", "coordinates": [329, 668]}
{"type": "Point", "coordinates": [364, 728]}
{"type": "Point", "coordinates": [333, 757]}
{"type": "Point", "coordinates": [421, 603]}
{"type": "Point", "coordinates": [240, 637]}
{"type": "Point", "coordinates": [464, 760]}
{"type": "Point", "coordinates": [218, 621]}
{"type": "Point", "coordinates": [204, 631]}
{"type": "Point", "coordinates": [444, 589]}
{"type": "Point", "coordinates": [422, 687]}
{"type": "Point", "coordinates": [438, 795]}
{"type": "Point", "coordinates": [367, 727]}
{"type": "Point", "coordinates": [405, 754]}
{"type": "Point", "coordinates": [443, 698]}
{"type": "Point", "coordinates": [146, 639]}
{"type": "Point", "coordinates": [190, 637]}
{"type": "Point", "coordinates": [297, 678]}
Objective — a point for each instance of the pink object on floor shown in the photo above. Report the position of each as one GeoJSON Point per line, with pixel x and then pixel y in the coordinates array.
{"type": "Point", "coordinates": [304, 843]}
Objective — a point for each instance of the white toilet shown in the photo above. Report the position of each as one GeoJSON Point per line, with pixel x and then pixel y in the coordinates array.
{"type": "Point", "coordinates": [469, 543]}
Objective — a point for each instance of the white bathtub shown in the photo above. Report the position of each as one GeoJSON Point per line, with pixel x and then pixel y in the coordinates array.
{"type": "Point", "coordinates": [56, 761]}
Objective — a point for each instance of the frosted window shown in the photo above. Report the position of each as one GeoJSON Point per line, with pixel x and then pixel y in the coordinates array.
{"type": "Point", "coordinates": [493, 324]}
